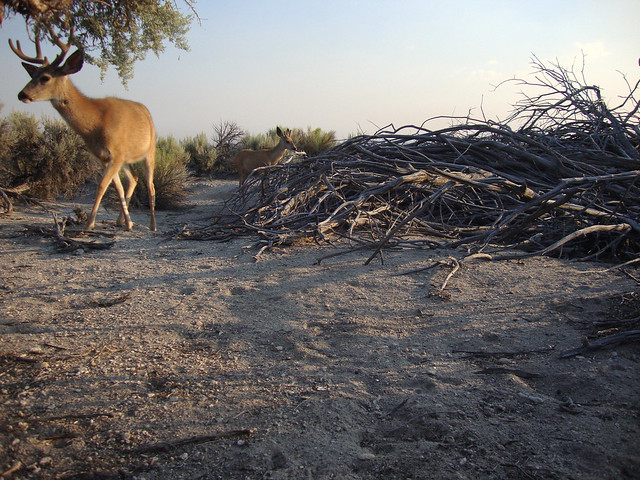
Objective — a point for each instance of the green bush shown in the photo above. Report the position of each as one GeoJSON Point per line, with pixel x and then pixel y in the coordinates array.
{"type": "Point", "coordinates": [45, 155]}
{"type": "Point", "coordinates": [259, 141]}
{"type": "Point", "coordinates": [313, 141]}
{"type": "Point", "coordinates": [5, 143]}
{"type": "Point", "coordinates": [21, 136]}
{"type": "Point", "coordinates": [64, 154]}
{"type": "Point", "coordinates": [202, 154]}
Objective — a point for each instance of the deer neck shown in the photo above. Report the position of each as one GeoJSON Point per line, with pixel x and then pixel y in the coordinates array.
{"type": "Point", "coordinates": [277, 152]}
{"type": "Point", "coordinates": [80, 112]}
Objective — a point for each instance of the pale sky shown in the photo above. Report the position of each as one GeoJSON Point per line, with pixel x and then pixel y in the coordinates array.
{"type": "Point", "coordinates": [353, 66]}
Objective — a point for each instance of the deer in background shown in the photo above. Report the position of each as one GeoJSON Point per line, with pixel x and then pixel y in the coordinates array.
{"type": "Point", "coordinates": [118, 132]}
{"type": "Point", "coordinates": [247, 161]}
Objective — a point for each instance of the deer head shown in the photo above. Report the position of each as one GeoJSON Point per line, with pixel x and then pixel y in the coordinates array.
{"type": "Point", "coordinates": [286, 140]}
{"type": "Point", "coordinates": [47, 78]}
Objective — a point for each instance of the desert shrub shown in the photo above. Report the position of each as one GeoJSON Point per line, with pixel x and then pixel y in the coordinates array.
{"type": "Point", "coordinates": [313, 141]}
{"type": "Point", "coordinates": [46, 155]}
{"type": "Point", "coordinates": [202, 154]}
{"type": "Point", "coordinates": [260, 140]}
{"type": "Point", "coordinates": [20, 139]}
{"type": "Point", "coordinates": [64, 155]}
{"type": "Point", "coordinates": [170, 175]}
{"type": "Point", "coordinates": [5, 142]}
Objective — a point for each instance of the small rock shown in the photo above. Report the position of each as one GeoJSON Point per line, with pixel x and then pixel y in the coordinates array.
{"type": "Point", "coordinates": [45, 462]}
{"type": "Point", "coordinates": [366, 456]}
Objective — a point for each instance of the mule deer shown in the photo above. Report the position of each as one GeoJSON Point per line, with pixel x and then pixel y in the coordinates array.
{"type": "Point", "coordinates": [118, 132]}
{"type": "Point", "coordinates": [247, 161]}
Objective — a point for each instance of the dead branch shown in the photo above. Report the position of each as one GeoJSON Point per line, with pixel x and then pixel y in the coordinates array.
{"type": "Point", "coordinates": [169, 445]}
{"type": "Point", "coordinates": [481, 353]}
{"type": "Point", "coordinates": [559, 178]}
{"type": "Point", "coordinates": [17, 193]}
{"type": "Point", "coordinates": [68, 244]}
{"type": "Point", "coordinates": [8, 206]}
{"type": "Point", "coordinates": [611, 340]}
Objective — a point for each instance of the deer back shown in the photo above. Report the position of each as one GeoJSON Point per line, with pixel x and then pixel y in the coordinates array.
{"type": "Point", "coordinates": [110, 126]}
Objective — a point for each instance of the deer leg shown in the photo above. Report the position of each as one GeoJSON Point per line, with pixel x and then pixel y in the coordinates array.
{"type": "Point", "coordinates": [151, 189]}
{"type": "Point", "coordinates": [132, 181]}
{"type": "Point", "coordinates": [124, 210]}
{"type": "Point", "coordinates": [109, 173]}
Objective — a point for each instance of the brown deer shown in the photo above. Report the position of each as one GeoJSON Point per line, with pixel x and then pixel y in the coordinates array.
{"type": "Point", "coordinates": [247, 161]}
{"type": "Point", "coordinates": [118, 132]}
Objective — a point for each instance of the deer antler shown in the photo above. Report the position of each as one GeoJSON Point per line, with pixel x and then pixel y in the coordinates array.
{"type": "Point", "coordinates": [64, 47]}
{"type": "Point", "coordinates": [38, 59]}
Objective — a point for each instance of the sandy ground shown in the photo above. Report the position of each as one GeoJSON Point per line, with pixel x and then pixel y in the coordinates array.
{"type": "Point", "coordinates": [171, 359]}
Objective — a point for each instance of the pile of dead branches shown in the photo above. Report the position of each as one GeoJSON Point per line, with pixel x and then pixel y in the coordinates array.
{"type": "Point", "coordinates": [561, 177]}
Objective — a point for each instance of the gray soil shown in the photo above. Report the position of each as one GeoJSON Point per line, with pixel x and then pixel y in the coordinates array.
{"type": "Point", "coordinates": [171, 359]}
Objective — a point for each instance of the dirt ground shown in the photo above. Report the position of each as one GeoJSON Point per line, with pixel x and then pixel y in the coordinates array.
{"type": "Point", "coordinates": [163, 358]}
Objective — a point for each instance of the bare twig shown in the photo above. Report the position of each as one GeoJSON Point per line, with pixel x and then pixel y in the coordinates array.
{"type": "Point", "coordinates": [68, 244]}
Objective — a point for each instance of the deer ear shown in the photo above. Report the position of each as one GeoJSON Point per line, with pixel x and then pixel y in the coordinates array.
{"type": "Point", "coordinates": [31, 69]}
{"type": "Point", "coordinates": [278, 131]}
{"type": "Point", "coordinates": [73, 63]}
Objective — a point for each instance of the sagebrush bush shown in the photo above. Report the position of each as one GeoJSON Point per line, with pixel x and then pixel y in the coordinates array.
{"type": "Point", "coordinates": [313, 141]}
{"type": "Point", "coordinates": [202, 154]}
{"type": "Point", "coordinates": [5, 143]}
{"type": "Point", "coordinates": [64, 154]}
{"type": "Point", "coordinates": [45, 155]}
{"type": "Point", "coordinates": [170, 177]}
{"type": "Point", "coordinates": [21, 145]}
{"type": "Point", "coordinates": [260, 140]}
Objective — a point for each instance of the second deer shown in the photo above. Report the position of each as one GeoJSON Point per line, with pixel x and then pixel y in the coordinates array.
{"type": "Point", "coordinates": [247, 161]}
{"type": "Point", "coordinates": [118, 132]}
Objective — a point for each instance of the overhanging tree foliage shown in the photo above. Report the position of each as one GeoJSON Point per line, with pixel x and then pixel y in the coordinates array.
{"type": "Point", "coordinates": [112, 32]}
